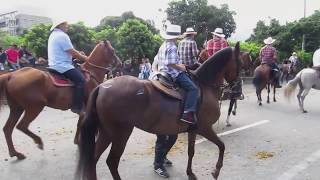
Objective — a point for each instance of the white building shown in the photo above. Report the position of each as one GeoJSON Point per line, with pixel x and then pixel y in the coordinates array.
{"type": "Point", "coordinates": [15, 23]}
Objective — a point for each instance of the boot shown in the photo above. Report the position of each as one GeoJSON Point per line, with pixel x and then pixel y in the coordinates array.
{"type": "Point", "coordinates": [188, 117]}
{"type": "Point", "coordinates": [78, 100]}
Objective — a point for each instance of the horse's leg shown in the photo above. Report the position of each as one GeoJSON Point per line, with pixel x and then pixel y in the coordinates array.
{"type": "Point", "coordinates": [304, 94]}
{"type": "Point", "coordinates": [258, 92]}
{"type": "Point", "coordinates": [28, 117]}
{"type": "Point", "coordinates": [274, 94]}
{"type": "Point", "coordinates": [191, 146]}
{"type": "Point", "coordinates": [299, 96]}
{"type": "Point", "coordinates": [229, 111]}
{"type": "Point", "coordinates": [212, 136]}
{"type": "Point", "coordinates": [76, 137]}
{"type": "Point", "coordinates": [268, 88]}
{"type": "Point", "coordinates": [102, 144]}
{"type": "Point", "coordinates": [234, 112]}
{"type": "Point", "coordinates": [119, 141]}
{"type": "Point", "coordinates": [15, 113]}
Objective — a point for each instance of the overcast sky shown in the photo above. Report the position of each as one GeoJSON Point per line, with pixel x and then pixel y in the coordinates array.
{"type": "Point", "coordinates": [92, 11]}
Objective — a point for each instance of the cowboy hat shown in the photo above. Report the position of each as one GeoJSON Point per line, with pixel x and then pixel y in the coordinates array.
{"type": "Point", "coordinates": [218, 32]}
{"type": "Point", "coordinates": [56, 23]}
{"type": "Point", "coordinates": [294, 53]}
{"type": "Point", "coordinates": [172, 32]}
{"type": "Point", "coordinates": [190, 30]}
{"type": "Point", "coordinates": [269, 40]}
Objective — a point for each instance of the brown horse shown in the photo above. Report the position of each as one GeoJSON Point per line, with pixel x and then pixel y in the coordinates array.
{"type": "Point", "coordinates": [262, 79]}
{"type": "Point", "coordinates": [117, 106]}
{"type": "Point", "coordinates": [29, 90]}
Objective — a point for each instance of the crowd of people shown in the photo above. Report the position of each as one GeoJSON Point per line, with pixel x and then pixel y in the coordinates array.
{"type": "Point", "coordinates": [17, 57]}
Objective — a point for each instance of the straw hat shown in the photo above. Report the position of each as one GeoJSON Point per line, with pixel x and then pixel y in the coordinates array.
{"type": "Point", "coordinates": [269, 40]}
{"type": "Point", "coordinates": [172, 32]}
{"type": "Point", "coordinates": [56, 23]}
{"type": "Point", "coordinates": [190, 30]}
{"type": "Point", "coordinates": [218, 32]}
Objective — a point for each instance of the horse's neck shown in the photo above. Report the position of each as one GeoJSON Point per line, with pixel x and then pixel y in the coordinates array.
{"type": "Point", "coordinates": [93, 61]}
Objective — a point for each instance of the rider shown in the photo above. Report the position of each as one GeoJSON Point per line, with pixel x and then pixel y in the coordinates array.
{"type": "Point", "coordinates": [316, 60]}
{"type": "Point", "coordinates": [268, 55]}
{"type": "Point", "coordinates": [187, 48]}
{"type": "Point", "coordinates": [293, 60]}
{"type": "Point", "coordinates": [60, 53]}
{"type": "Point", "coordinates": [217, 43]}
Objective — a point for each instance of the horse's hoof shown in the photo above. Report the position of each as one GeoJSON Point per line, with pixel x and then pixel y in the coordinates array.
{"type": "Point", "coordinates": [268, 102]}
{"type": "Point", "coordinates": [215, 174]}
{"type": "Point", "coordinates": [40, 146]}
{"type": "Point", "coordinates": [192, 177]}
{"type": "Point", "coordinates": [234, 113]}
{"type": "Point", "coordinates": [260, 104]}
{"type": "Point", "coordinates": [274, 100]}
{"type": "Point", "coordinates": [304, 111]}
{"type": "Point", "coordinates": [76, 141]}
{"type": "Point", "coordinates": [19, 156]}
{"type": "Point", "coordinates": [228, 125]}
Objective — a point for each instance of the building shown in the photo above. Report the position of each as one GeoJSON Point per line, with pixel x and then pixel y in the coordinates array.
{"type": "Point", "coordinates": [15, 23]}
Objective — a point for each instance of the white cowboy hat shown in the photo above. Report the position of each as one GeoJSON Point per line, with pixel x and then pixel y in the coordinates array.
{"type": "Point", "coordinates": [57, 22]}
{"type": "Point", "coordinates": [294, 53]}
{"type": "Point", "coordinates": [269, 40]}
{"type": "Point", "coordinates": [190, 30]}
{"type": "Point", "coordinates": [218, 32]}
{"type": "Point", "coordinates": [172, 32]}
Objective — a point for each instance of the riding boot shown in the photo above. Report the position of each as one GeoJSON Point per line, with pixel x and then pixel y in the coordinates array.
{"type": "Point", "coordinates": [78, 100]}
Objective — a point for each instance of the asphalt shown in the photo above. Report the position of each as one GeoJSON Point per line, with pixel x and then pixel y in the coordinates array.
{"type": "Point", "coordinates": [285, 147]}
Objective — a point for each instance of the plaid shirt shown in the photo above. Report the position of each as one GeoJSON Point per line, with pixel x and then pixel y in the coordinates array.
{"type": "Point", "coordinates": [268, 54]}
{"type": "Point", "coordinates": [167, 55]}
{"type": "Point", "coordinates": [216, 44]}
{"type": "Point", "coordinates": [188, 51]}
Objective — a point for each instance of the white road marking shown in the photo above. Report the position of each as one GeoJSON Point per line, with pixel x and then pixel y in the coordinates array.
{"type": "Point", "coordinates": [295, 170]}
{"type": "Point", "coordinates": [235, 130]}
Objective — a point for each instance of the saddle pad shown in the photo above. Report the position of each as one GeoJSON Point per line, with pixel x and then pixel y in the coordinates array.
{"type": "Point", "coordinates": [62, 81]}
{"type": "Point", "coordinates": [169, 92]}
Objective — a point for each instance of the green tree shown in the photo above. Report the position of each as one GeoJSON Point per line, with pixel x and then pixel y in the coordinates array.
{"type": "Point", "coordinates": [82, 37]}
{"type": "Point", "coordinates": [203, 17]}
{"type": "Point", "coordinates": [108, 33]}
{"type": "Point", "coordinates": [36, 39]}
{"type": "Point", "coordinates": [135, 40]}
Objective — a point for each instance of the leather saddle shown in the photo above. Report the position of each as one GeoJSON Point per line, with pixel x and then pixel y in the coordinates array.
{"type": "Point", "coordinates": [60, 80]}
{"type": "Point", "coordinates": [165, 84]}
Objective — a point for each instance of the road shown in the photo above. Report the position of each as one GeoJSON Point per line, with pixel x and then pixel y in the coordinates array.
{"type": "Point", "coordinates": [272, 142]}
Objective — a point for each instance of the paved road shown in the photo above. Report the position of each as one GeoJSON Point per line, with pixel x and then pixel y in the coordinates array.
{"type": "Point", "coordinates": [280, 143]}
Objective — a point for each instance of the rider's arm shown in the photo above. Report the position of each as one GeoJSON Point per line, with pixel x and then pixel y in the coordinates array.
{"type": "Point", "coordinates": [76, 54]}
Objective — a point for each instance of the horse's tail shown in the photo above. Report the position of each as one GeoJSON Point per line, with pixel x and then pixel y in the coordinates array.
{"type": "Point", "coordinates": [3, 85]}
{"type": "Point", "coordinates": [88, 131]}
{"type": "Point", "coordinates": [291, 85]}
{"type": "Point", "coordinates": [256, 79]}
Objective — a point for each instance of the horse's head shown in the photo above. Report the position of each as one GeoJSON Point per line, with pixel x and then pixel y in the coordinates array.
{"type": "Point", "coordinates": [104, 54]}
{"type": "Point", "coordinates": [246, 61]}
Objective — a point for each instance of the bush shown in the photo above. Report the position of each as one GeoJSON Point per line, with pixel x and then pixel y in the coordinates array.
{"type": "Point", "coordinates": [305, 58]}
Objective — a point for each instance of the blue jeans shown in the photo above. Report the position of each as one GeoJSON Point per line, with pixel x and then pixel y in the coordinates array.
{"type": "Point", "coordinates": [77, 78]}
{"type": "Point", "coordinates": [185, 82]}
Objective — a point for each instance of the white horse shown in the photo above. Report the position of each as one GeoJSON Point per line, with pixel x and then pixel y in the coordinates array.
{"type": "Point", "coordinates": [307, 79]}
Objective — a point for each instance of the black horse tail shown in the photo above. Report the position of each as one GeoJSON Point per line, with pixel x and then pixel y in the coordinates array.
{"type": "Point", "coordinates": [256, 80]}
{"type": "Point", "coordinates": [89, 127]}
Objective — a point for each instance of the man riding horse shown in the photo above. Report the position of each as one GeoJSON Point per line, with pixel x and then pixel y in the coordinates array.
{"type": "Point", "coordinates": [268, 55]}
{"type": "Point", "coordinates": [60, 53]}
{"type": "Point", "coordinates": [316, 59]}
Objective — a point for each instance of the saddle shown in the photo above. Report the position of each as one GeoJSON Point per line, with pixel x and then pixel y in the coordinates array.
{"type": "Point", "coordinates": [60, 80]}
{"type": "Point", "coordinates": [165, 84]}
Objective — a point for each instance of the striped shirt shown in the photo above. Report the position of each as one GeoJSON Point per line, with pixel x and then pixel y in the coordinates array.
{"type": "Point", "coordinates": [188, 51]}
{"type": "Point", "coordinates": [167, 55]}
{"type": "Point", "coordinates": [216, 44]}
{"type": "Point", "coordinates": [268, 54]}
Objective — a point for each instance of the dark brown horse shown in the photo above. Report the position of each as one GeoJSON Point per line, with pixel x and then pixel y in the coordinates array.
{"type": "Point", "coordinates": [117, 106]}
{"type": "Point", "coordinates": [29, 90]}
{"type": "Point", "coordinates": [262, 79]}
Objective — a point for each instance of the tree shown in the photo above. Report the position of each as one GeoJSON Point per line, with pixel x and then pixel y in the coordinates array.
{"type": "Point", "coordinates": [82, 37]}
{"type": "Point", "coordinates": [203, 17]}
{"type": "Point", "coordinates": [135, 40]}
{"type": "Point", "coordinates": [36, 39]}
{"type": "Point", "coordinates": [108, 33]}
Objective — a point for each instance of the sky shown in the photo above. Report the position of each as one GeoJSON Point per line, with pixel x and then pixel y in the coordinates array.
{"type": "Point", "coordinates": [92, 11]}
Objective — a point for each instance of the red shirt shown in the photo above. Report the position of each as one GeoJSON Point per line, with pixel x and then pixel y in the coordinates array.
{"type": "Point", "coordinates": [13, 55]}
{"type": "Point", "coordinates": [216, 44]}
{"type": "Point", "coordinates": [268, 54]}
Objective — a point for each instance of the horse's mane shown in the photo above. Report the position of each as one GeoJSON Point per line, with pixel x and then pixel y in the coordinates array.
{"type": "Point", "coordinates": [208, 71]}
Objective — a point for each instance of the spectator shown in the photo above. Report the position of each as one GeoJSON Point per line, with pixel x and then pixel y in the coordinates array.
{"type": "Point", "coordinates": [3, 58]}
{"type": "Point", "coordinates": [13, 57]}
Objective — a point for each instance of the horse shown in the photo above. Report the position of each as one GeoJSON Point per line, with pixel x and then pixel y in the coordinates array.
{"type": "Point", "coordinates": [117, 106]}
{"type": "Point", "coordinates": [29, 90]}
{"type": "Point", "coordinates": [246, 60]}
{"type": "Point", "coordinates": [307, 79]}
{"type": "Point", "coordinates": [262, 79]}
{"type": "Point", "coordinates": [285, 72]}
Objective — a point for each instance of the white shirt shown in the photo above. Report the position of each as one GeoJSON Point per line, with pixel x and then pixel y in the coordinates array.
{"type": "Point", "coordinates": [316, 58]}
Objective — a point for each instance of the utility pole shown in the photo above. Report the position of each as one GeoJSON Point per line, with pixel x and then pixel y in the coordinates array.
{"type": "Point", "coordinates": [304, 36]}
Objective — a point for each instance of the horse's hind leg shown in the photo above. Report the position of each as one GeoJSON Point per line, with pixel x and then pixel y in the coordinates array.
{"type": "Point", "coordinates": [191, 146]}
{"type": "Point", "coordinates": [212, 136]}
{"type": "Point", "coordinates": [304, 94]}
{"type": "Point", "coordinates": [102, 144]}
{"type": "Point", "coordinates": [15, 113]}
{"type": "Point", "coordinates": [28, 117]}
{"type": "Point", "coordinates": [299, 97]}
{"type": "Point", "coordinates": [258, 92]}
{"type": "Point", "coordinates": [119, 141]}
{"type": "Point", "coordinates": [274, 94]}
{"type": "Point", "coordinates": [229, 111]}
{"type": "Point", "coordinates": [234, 112]}
{"type": "Point", "coordinates": [268, 99]}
